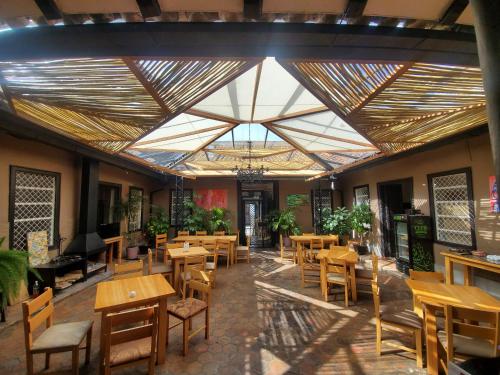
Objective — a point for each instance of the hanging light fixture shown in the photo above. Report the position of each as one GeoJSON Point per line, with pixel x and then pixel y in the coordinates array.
{"type": "Point", "coordinates": [250, 174]}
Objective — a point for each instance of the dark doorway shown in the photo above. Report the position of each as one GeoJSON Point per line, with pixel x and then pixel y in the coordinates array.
{"type": "Point", "coordinates": [108, 215]}
{"type": "Point", "coordinates": [394, 198]}
{"type": "Point", "coordinates": [256, 201]}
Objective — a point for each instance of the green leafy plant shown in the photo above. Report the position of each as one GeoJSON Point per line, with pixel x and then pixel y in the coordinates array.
{"type": "Point", "coordinates": [197, 220]}
{"type": "Point", "coordinates": [219, 220]}
{"type": "Point", "coordinates": [336, 222]}
{"type": "Point", "coordinates": [128, 209]}
{"type": "Point", "coordinates": [158, 222]}
{"type": "Point", "coordinates": [14, 268]}
{"type": "Point", "coordinates": [284, 222]}
{"type": "Point", "coordinates": [361, 220]}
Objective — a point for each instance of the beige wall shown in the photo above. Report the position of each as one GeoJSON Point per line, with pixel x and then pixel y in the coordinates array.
{"type": "Point", "coordinates": [474, 152]}
{"type": "Point", "coordinates": [303, 214]}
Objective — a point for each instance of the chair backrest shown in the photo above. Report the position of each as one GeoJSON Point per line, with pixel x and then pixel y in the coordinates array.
{"type": "Point", "coordinates": [194, 242]}
{"type": "Point", "coordinates": [201, 232]}
{"type": "Point", "coordinates": [160, 239]}
{"type": "Point", "coordinates": [316, 244]}
{"type": "Point", "coordinates": [220, 233]}
{"type": "Point", "coordinates": [175, 245]}
{"type": "Point", "coordinates": [335, 265]}
{"type": "Point", "coordinates": [483, 325]}
{"type": "Point", "coordinates": [201, 283]}
{"type": "Point", "coordinates": [129, 269]}
{"type": "Point", "coordinates": [35, 312]}
{"type": "Point", "coordinates": [334, 239]}
{"type": "Point", "coordinates": [135, 325]}
{"type": "Point", "coordinates": [437, 277]}
{"type": "Point", "coordinates": [209, 245]}
{"type": "Point", "coordinates": [183, 233]}
{"type": "Point", "coordinates": [223, 246]}
{"type": "Point", "coordinates": [376, 298]}
{"type": "Point", "coordinates": [338, 248]}
{"type": "Point", "coordinates": [194, 261]}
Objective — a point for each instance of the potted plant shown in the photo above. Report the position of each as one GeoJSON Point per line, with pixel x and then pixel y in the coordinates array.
{"type": "Point", "coordinates": [158, 223]}
{"type": "Point", "coordinates": [14, 268]}
{"type": "Point", "coordinates": [337, 222]}
{"type": "Point", "coordinates": [284, 222]}
{"type": "Point", "coordinates": [219, 220]}
{"type": "Point", "coordinates": [361, 222]}
{"type": "Point", "coordinates": [197, 220]}
{"type": "Point", "coordinates": [128, 209]}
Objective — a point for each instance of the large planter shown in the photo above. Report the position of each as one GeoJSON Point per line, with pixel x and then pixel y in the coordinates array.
{"type": "Point", "coordinates": [133, 252]}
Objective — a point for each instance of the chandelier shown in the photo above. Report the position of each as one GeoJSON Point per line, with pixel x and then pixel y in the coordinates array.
{"type": "Point", "coordinates": [250, 174]}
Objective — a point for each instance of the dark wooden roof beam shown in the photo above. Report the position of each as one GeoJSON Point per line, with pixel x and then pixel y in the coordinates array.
{"type": "Point", "coordinates": [49, 9]}
{"type": "Point", "coordinates": [454, 11]}
{"type": "Point", "coordinates": [149, 8]}
{"type": "Point", "coordinates": [252, 9]}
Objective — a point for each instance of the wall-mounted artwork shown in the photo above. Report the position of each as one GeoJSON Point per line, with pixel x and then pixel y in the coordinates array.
{"type": "Point", "coordinates": [494, 204]}
{"type": "Point", "coordinates": [210, 198]}
{"type": "Point", "coordinates": [38, 248]}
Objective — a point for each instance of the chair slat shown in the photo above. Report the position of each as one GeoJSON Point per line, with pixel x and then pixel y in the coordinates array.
{"type": "Point", "coordinates": [35, 321]}
{"type": "Point", "coordinates": [131, 334]}
{"type": "Point", "coordinates": [40, 301]}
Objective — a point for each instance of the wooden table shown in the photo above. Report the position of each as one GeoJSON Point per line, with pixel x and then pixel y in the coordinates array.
{"type": "Point", "coordinates": [436, 295]}
{"type": "Point", "coordinates": [300, 240]}
{"type": "Point", "coordinates": [110, 244]}
{"type": "Point", "coordinates": [179, 254]}
{"type": "Point", "coordinates": [351, 258]}
{"type": "Point", "coordinates": [469, 262]}
{"type": "Point", "coordinates": [231, 238]}
{"type": "Point", "coordinates": [113, 296]}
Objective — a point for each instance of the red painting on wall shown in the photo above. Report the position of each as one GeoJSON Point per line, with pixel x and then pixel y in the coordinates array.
{"type": "Point", "coordinates": [210, 198]}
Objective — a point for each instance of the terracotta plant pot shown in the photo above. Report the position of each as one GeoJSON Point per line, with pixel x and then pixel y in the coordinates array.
{"type": "Point", "coordinates": [132, 252]}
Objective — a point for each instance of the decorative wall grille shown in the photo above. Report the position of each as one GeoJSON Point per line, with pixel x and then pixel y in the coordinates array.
{"type": "Point", "coordinates": [33, 207]}
{"type": "Point", "coordinates": [453, 209]}
{"type": "Point", "coordinates": [362, 195]}
{"type": "Point", "coordinates": [321, 199]}
{"type": "Point", "coordinates": [135, 220]}
{"type": "Point", "coordinates": [177, 205]}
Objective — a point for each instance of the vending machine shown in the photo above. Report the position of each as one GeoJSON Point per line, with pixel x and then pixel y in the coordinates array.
{"type": "Point", "coordinates": [413, 241]}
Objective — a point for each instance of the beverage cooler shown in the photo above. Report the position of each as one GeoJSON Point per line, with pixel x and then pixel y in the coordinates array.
{"type": "Point", "coordinates": [413, 241]}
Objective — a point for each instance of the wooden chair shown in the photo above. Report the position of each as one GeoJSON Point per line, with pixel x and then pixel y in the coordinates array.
{"type": "Point", "coordinates": [185, 310]}
{"type": "Point", "coordinates": [193, 243]}
{"type": "Point", "coordinates": [131, 343]}
{"type": "Point", "coordinates": [437, 277]}
{"type": "Point", "coordinates": [284, 250]}
{"type": "Point", "coordinates": [339, 248]}
{"type": "Point", "coordinates": [334, 240]}
{"type": "Point", "coordinates": [315, 245]}
{"type": "Point", "coordinates": [334, 271]}
{"type": "Point", "coordinates": [224, 249]}
{"type": "Point", "coordinates": [164, 268]}
{"type": "Point", "coordinates": [243, 252]}
{"type": "Point", "coordinates": [211, 266]}
{"type": "Point", "coordinates": [220, 233]}
{"type": "Point", "coordinates": [392, 318]}
{"type": "Point", "coordinates": [310, 270]}
{"type": "Point", "coordinates": [201, 232]}
{"type": "Point", "coordinates": [365, 276]}
{"type": "Point", "coordinates": [183, 233]}
{"type": "Point", "coordinates": [189, 263]}
{"type": "Point", "coordinates": [469, 333]}
{"type": "Point", "coordinates": [129, 269]}
{"type": "Point", "coordinates": [160, 245]}
{"type": "Point", "coordinates": [56, 338]}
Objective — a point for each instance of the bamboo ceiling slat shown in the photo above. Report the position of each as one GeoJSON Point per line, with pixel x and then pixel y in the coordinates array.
{"type": "Point", "coordinates": [104, 88]}
{"type": "Point", "coordinates": [182, 83]}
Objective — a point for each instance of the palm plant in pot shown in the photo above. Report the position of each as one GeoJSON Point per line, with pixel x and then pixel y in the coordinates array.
{"type": "Point", "coordinates": [361, 223]}
{"type": "Point", "coordinates": [337, 222]}
{"type": "Point", "coordinates": [219, 220]}
{"type": "Point", "coordinates": [284, 222]}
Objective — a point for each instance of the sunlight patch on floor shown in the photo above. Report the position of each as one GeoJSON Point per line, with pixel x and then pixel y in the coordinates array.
{"type": "Point", "coordinates": [276, 365]}
{"type": "Point", "coordinates": [304, 298]}
{"type": "Point", "coordinates": [284, 267]}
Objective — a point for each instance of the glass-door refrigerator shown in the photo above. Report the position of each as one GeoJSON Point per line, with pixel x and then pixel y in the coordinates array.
{"type": "Point", "coordinates": [413, 240]}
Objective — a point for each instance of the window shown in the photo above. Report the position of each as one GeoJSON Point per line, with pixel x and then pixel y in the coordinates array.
{"type": "Point", "coordinates": [34, 205]}
{"type": "Point", "coordinates": [108, 213]}
{"type": "Point", "coordinates": [452, 207]}
{"type": "Point", "coordinates": [361, 195]}
{"type": "Point", "coordinates": [175, 203]}
{"type": "Point", "coordinates": [135, 197]}
{"type": "Point", "coordinates": [321, 199]}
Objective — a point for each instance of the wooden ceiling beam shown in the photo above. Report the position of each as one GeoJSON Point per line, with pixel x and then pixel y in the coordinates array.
{"type": "Point", "coordinates": [252, 9]}
{"type": "Point", "coordinates": [149, 8]}
{"type": "Point", "coordinates": [346, 166]}
{"type": "Point", "coordinates": [453, 12]}
{"type": "Point", "coordinates": [354, 9]}
{"type": "Point", "coordinates": [181, 135]}
{"type": "Point", "coordinates": [256, 89]}
{"type": "Point", "coordinates": [293, 115]}
{"type": "Point", "coordinates": [49, 9]}
{"type": "Point", "coordinates": [212, 116]}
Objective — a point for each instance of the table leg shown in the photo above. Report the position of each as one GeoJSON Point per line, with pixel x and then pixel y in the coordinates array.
{"type": "Point", "coordinates": [120, 248]}
{"type": "Point", "coordinates": [101, 342]}
{"type": "Point", "coordinates": [431, 340]}
{"type": "Point", "coordinates": [299, 252]}
{"type": "Point", "coordinates": [162, 330]}
{"type": "Point", "coordinates": [448, 265]}
{"type": "Point", "coordinates": [354, 291]}
{"type": "Point", "coordinates": [468, 278]}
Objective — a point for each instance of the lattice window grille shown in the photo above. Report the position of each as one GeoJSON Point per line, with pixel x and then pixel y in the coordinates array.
{"type": "Point", "coordinates": [175, 205]}
{"type": "Point", "coordinates": [452, 209]}
{"type": "Point", "coordinates": [34, 206]}
{"type": "Point", "coordinates": [322, 199]}
{"type": "Point", "coordinates": [362, 195]}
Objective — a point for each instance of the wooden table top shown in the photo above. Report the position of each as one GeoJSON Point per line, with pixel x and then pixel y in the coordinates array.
{"type": "Point", "coordinates": [349, 256]}
{"type": "Point", "coordinates": [456, 295]}
{"type": "Point", "coordinates": [231, 238]}
{"type": "Point", "coordinates": [472, 259]}
{"type": "Point", "coordinates": [193, 251]}
{"type": "Point", "coordinates": [309, 238]}
{"type": "Point", "coordinates": [115, 294]}
{"type": "Point", "coordinates": [110, 240]}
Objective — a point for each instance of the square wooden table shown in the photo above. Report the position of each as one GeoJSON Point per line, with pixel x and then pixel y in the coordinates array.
{"type": "Point", "coordinates": [351, 258]}
{"type": "Point", "coordinates": [231, 237]}
{"type": "Point", "coordinates": [469, 262]}
{"type": "Point", "coordinates": [436, 295]}
{"type": "Point", "coordinates": [113, 296]}
{"type": "Point", "coordinates": [303, 239]}
{"type": "Point", "coordinates": [179, 254]}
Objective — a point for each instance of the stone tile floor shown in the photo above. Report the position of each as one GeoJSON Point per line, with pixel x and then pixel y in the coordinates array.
{"type": "Point", "coordinates": [262, 322]}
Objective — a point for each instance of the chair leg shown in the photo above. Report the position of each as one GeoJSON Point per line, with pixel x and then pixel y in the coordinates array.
{"type": "Point", "coordinates": [168, 330]}
{"type": "Point", "coordinates": [207, 324]}
{"type": "Point", "coordinates": [190, 324]}
{"type": "Point", "coordinates": [88, 342]}
{"type": "Point", "coordinates": [47, 361]}
{"type": "Point", "coordinates": [76, 360]}
{"type": "Point", "coordinates": [302, 276]}
{"type": "Point", "coordinates": [29, 363]}
{"type": "Point", "coordinates": [418, 346]}
{"type": "Point", "coordinates": [185, 337]}
{"type": "Point", "coordinates": [346, 292]}
{"type": "Point", "coordinates": [379, 337]}
{"type": "Point", "coordinates": [184, 288]}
